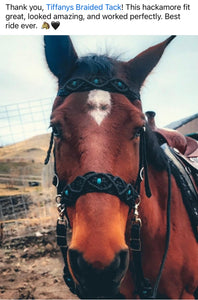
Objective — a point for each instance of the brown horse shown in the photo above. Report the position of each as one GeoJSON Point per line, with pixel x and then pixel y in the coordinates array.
{"type": "Point", "coordinates": [114, 181]}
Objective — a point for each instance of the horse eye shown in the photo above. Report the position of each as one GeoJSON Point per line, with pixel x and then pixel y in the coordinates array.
{"type": "Point", "coordinates": [56, 129]}
{"type": "Point", "coordinates": [138, 132]}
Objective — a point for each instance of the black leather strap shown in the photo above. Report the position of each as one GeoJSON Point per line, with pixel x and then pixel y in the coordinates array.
{"type": "Point", "coordinates": [143, 285]}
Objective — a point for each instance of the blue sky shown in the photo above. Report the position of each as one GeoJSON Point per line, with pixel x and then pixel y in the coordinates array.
{"type": "Point", "coordinates": [170, 90]}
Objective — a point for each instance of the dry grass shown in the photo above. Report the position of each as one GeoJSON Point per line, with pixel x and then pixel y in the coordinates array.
{"type": "Point", "coordinates": [33, 149]}
{"type": "Point", "coordinates": [7, 190]}
{"type": "Point", "coordinates": [22, 161]}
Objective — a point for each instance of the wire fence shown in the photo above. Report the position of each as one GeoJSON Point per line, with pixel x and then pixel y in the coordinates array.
{"type": "Point", "coordinates": [23, 120]}
{"type": "Point", "coordinates": [26, 215]}
{"type": "Point", "coordinates": [26, 197]}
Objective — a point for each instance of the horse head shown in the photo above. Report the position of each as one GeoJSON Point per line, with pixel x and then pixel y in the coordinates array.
{"type": "Point", "coordinates": [97, 124]}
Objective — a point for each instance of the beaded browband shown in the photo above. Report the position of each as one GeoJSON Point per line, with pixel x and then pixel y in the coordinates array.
{"type": "Point", "coordinates": [114, 85]}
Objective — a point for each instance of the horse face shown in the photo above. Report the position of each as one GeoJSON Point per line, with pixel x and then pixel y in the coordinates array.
{"type": "Point", "coordinates": [97, 130]}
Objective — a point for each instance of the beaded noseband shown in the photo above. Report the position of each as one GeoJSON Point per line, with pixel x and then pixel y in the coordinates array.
{"type": "Point", "coordinates": [93, 182]}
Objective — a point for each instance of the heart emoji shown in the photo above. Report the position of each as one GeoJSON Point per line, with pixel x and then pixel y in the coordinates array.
{"type": "Point", "coordinates": [55, 25]}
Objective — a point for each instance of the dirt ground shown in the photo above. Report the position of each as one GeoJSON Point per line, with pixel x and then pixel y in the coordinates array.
{"type": "Point", "coordinates": [31, 268]}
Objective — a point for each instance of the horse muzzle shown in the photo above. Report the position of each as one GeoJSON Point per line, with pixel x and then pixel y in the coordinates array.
{"type": "Point", "coordinates": [95, 281]}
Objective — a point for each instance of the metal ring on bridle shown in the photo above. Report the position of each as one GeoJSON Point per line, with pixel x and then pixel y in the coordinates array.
{"type": "Point", "coordinates": [141, 173]}
{"type": "Point", "coordinates": [58, 199]}
{"type": "Point", "coordinates": [137, 203]}
{"type": "Point", "coordinates": [57, 180]}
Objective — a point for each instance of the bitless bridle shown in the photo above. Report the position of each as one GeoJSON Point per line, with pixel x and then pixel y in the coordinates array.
{"type": "Point", "coordinates": [93, 182]}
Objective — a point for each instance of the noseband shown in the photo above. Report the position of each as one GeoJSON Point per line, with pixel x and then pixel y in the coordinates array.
{"type": "Point", "coordinates": [98, 183]}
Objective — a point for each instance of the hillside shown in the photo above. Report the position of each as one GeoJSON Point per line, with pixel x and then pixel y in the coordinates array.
{"type": "Point", "coordinates": [33, 149]}
{"type": "Point", "coordinates": [23, 162]}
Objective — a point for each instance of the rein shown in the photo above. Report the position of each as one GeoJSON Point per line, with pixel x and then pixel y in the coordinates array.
{"type": "Point", "coordinates": [93, 182]}
{"type": "Point", "coordinates": [143, 286]}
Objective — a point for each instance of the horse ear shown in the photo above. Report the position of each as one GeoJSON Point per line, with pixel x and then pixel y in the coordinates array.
{"type": "Point", "coordinates": [60, 55]}
{"type": "Point", "coordinates": [140, 66]}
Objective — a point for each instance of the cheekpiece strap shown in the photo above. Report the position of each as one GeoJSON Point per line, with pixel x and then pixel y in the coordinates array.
{"type": "Point", "coordinates": [99, 183]}
{"type": "Point", "coordinates": [114, 85]}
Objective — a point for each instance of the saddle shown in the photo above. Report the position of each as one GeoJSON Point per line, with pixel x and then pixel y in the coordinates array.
{"type": "Point", "coordinates": [187, 146]}
{"type": "Point", "coordinates": [184, 167]}
{"type": "Point", "coordinates": [182, 152]}
{"type": "Point", "coordinates": [185, 149]}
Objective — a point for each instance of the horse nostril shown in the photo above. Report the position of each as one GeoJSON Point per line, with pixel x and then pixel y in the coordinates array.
{"type": "Point", "coordinates": [96, 272]}
{"type": "Point", "coordinates": [121, 263]}
{"type": "Point", "coordinates": [76, 263]}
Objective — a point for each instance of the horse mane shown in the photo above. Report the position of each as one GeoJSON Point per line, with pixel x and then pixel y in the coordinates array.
{"type": "Point", "coordinates": [155, 155]}
{"type": "Point", "coordinates": [96, 64]}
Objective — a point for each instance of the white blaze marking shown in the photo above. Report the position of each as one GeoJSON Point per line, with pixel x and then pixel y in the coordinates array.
{"type": "Point", "coordinates": [99, 104]}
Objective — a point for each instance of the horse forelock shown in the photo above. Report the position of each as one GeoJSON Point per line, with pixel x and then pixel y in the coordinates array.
{"type": "Point", "coordinates": [88, 67]}
{"type": "Point", "coordinates": [91, 66]}
{"type": "Point", "coordinates": [95, 65]}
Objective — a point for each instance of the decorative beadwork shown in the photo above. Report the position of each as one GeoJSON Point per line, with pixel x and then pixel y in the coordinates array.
{"type": "Point", "coordinates": [74, 83]}
{"type": "Point", "coordinates": [129, 192]}
{"type": "Point", "coordinates": [99, 183]}
{"type": "Point", "coordinates": [96, 81]}
{"type": "Point", "coordinates": [112, 85]}
{"type": "Point", "coordinates": [99, 180]}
